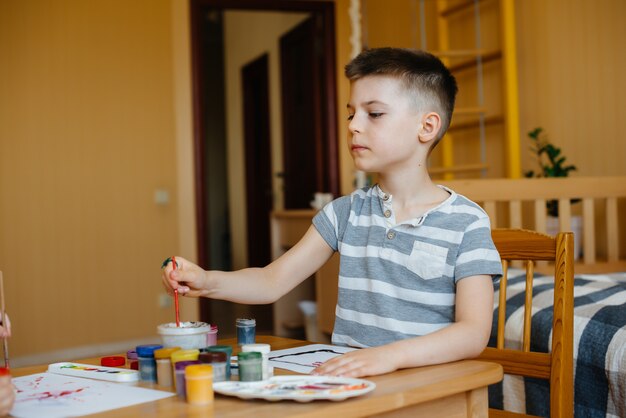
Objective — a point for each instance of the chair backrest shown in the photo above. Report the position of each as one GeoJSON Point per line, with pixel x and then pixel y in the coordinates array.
{"type": "Point", "coordinates": [521, 203]}
{"type": "Point", "coordinates": [557, 365]}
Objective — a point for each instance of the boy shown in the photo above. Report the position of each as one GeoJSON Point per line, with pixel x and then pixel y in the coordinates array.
{"type": "Point", "coordinates": [417, 260]}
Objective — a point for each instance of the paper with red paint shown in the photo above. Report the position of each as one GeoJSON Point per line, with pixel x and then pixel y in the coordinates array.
{"type": "Point", "coordinates": [51, 395]}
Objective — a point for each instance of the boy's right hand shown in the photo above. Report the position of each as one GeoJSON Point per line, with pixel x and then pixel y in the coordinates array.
{"type": "Point", "coordinates": [188, 278]}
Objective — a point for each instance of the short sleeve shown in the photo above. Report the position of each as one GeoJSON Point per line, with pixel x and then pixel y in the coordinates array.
{"type": "Point", "coordinates": [332, 220]}
{"type": "Point", "coordinates": [477, 253]}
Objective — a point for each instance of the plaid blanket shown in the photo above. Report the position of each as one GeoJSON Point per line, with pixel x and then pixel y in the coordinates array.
{"type": "Point", "coordinates": [599, 346]}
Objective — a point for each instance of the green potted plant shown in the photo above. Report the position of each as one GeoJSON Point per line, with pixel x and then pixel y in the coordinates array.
{"type": "Point", "coordinates": [550, 161]}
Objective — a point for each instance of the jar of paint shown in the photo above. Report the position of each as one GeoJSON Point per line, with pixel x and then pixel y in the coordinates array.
{"type": "Point", "coordinates": [250, 366]}
{"type": "Point", "coordinates": [179, 376]}
{"type": "Point", "coordinates": [131, 356]}
{"type": "Point", "coordinates": [163, 359]}
{"type": "Point", "coordinates": [211, 337]}
{"type": "Point", "coordinates": [182, 355]}
{"type": "Point", "coordinates": [226, 349]}
{"type": "Point", "coordinates": [218, 361]}
{"type": "Point", "coordinates": [188, 335]}
{"type": "Point", "coordinates": [199, 382]}
{"type": "Point", "coordinates": [264, 349]}
{"type": "Point", "coordinates": [246, 331]}
{"type": "Point", "coordinates": [147, 365]}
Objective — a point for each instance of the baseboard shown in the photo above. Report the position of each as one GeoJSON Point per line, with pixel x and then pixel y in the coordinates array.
{"type": "Point", "coordinates": [81, 352]}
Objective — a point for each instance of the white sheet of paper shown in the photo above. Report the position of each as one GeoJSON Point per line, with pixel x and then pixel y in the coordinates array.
{"type": "Point", "coordinates": [306, 358]}
{"type": "Point", "coordinates": [51, 395]}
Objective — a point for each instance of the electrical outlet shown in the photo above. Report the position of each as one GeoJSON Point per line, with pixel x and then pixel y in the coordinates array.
{"type": "Point", "coordinates": [164, 300]}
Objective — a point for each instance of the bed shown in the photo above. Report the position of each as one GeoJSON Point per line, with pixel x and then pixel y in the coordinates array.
{"type": "Point", "coordinates": [599, 288]}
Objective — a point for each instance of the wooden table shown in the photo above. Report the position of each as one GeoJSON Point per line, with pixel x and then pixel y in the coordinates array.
{"type": "Point", "coordinates": [448, 390]}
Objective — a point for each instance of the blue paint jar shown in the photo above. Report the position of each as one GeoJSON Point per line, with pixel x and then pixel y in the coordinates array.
{"type": "Point", "coordinates": [147, 363]}
{"type": "Point", "coordinates": [246, 331]}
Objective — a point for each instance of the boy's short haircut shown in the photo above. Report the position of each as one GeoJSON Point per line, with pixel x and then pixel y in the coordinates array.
{"type": "Point", "coordinates": [429, 82]}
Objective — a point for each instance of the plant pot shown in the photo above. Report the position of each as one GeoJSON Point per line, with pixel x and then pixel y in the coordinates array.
{"type": "Point", "coordinates": [576, 226]}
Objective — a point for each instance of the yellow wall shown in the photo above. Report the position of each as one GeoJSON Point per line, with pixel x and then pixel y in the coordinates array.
{"type": "Point", "coordinates": [88, 133]}
{"type": "Point", "coordinates": [572, 62]}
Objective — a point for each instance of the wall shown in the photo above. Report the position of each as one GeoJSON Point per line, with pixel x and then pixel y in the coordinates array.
{"type": "Point", "coordinates": [94, 113]}
{"type": "Point", "coordinates": [571, 63]}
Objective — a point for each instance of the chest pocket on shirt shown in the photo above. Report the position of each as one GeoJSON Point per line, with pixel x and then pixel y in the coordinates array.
{"type": "Point", "coordinates": [427, 260]}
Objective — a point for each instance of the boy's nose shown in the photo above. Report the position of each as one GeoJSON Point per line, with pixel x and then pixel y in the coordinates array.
{"type": "Point", "coordinates": [353, 126]}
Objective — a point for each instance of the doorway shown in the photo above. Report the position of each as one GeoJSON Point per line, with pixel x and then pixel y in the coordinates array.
{"type": "Point", "coordinates": [208, 92]}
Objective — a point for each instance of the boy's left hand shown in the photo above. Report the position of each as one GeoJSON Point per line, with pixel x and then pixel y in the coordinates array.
{"type": "Point", "coordinates": [364, 362]}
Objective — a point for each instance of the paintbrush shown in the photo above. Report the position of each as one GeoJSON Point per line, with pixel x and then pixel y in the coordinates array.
{"type": "Point", "coordinates": [5, 341]}
{"type": "Point", "coordinates": [176, 308]}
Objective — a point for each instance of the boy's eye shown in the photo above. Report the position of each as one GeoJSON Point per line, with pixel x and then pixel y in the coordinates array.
{"type": "Point", "coordinates": [376, 115]}
{"type": "Point", "coordinates": [350, 117]}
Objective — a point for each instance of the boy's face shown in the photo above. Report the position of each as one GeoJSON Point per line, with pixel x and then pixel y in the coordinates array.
{"type": "Point", "coordinates": [384, 125]}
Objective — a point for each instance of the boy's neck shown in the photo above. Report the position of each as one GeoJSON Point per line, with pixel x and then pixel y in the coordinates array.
{"type": "Point", "coordinates": [409, 188]}
{"type": "Point", "coordinates": [413, 196]}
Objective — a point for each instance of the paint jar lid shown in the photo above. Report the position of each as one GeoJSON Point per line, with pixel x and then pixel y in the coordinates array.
{"type": "Point", "coordinates": [199, 371]}
{"type": "Point", "coordinates": [250, 355]}
{"type": "Point", "coordinates": [213, 329]}
{"type": "Point", "coordinates": [260, 348]}
{"type": "Point", "coordinates": [221, 348]}
{"type": "Point", "coordinates": [4, 371]}
{"type": "Point", "coordinates": [181, 365]}
{"type": "Point", "coordinates": [183, 355]}
{"type": "Point", "coordinates": [212, 357]}
{"type": "Point", "coordinates": [131, 354]}
{"type": "Point", "coordinates": [112, 361]}
{"type": "Point", "coordinates": [245, 322]}
{"type": "Point", "coordinates": [162, 353]}
{"type": "Point", "coordinates": [147, 350]}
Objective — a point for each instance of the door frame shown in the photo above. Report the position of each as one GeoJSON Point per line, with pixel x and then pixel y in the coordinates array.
{"type": "Point", "coordinates": [326, 10]}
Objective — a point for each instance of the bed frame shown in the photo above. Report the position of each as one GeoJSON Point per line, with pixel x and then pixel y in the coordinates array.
{"type": "Point", "coordinates": [521, 203]}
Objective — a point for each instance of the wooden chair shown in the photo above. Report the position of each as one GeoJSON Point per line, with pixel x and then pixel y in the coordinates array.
{"type": "Point", "coordinates": [556, 366]}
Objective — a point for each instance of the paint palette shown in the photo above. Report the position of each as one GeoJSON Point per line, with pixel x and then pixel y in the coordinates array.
{"type": "Point", "coordinates": [112, 374]}
{"type": "Point", "coordinates": [297, 388]}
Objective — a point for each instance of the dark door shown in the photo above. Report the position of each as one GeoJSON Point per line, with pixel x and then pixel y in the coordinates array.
{"type": "Point", "coordinates": [258, 166]}
{"type": "Point", "coordinates": [306, 169]}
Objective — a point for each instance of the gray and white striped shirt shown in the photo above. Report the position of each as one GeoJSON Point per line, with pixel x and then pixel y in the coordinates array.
{"type": "Point", "coordinates": [398, 281]}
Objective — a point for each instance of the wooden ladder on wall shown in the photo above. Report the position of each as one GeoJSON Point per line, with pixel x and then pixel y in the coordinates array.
{"type": "Point", "coordinates": [463, 59]}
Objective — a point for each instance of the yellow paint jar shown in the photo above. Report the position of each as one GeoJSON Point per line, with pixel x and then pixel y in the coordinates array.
{"type": "Point", "coordinates": [163, 360]}
{"type": "Point", "coordinates": [199, 381]}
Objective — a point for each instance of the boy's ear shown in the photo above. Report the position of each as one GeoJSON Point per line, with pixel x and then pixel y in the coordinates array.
{"type": "Point", "coordinates": [430, 126]}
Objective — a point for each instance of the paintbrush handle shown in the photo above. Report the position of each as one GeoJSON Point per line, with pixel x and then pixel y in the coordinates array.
{"type": "Point", "coordinates": [176, 307]}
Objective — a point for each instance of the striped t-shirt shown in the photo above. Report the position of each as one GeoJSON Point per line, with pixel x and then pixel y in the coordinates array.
{"type": "Point", "coordinates": [399, 281]}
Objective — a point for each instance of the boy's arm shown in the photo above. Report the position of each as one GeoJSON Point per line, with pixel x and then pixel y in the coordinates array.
{"type": "Point", "coordinates": [465, 338]}
{"type": "Point", "coordinates": [252, 285]}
